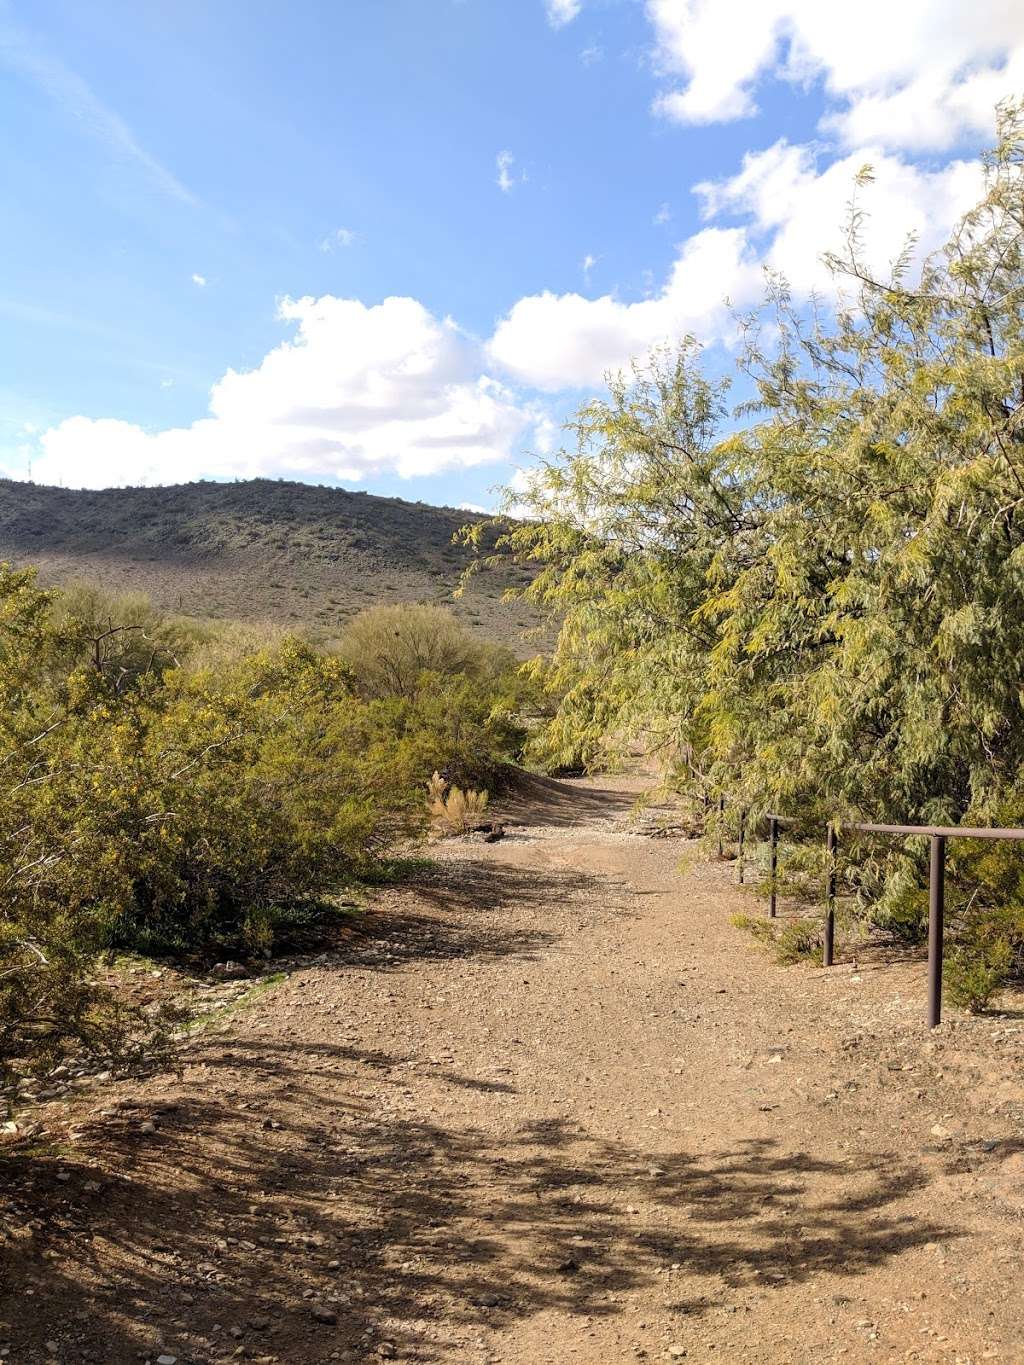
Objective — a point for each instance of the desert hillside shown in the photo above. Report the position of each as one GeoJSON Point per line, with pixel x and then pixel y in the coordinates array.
{"type": "Point", "coordinates": [255, 550]}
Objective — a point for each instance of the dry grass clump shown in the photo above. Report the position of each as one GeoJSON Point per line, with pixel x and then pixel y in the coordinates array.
{"type": "Point", "coordinates": [452, 810]}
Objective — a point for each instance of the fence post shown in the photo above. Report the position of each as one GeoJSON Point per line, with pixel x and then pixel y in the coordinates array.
{"type": "Point", "coordinates": [831, 847]}
{"type": "Point", "coordinates": [773, 864]}
{"type": "Point", "coordinates": [721, 817]}
{"type": "Point", "coordinates": [936, 911]}
{"type": "Point", "coordinates": [743, 835]}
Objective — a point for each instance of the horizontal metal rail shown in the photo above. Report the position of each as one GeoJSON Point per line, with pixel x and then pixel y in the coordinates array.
{"type": "Point", "coordinates": [941, 831]}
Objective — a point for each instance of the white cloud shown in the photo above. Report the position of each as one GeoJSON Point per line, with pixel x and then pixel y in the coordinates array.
{"type": "Point", "coordinates": [587, 265]}
{"type": "Point", "coordinates": [545, 436]}
{"type": "Point", "coordinates": [505, 180]}
{"type": "Point", "coordinates": [796, 213]}
{"type": "Point", "coordinates": [357, 391]}
{"type": "Point", "coordinates": [789, 214]}
{"type": "Point", "coordinates": [935, 111]}
{"type": "Point", "coordinates": [917, 74]}
{"type": "Point", "coordinates": [199, 280]}
{"type": "Point", "coordinates": [555, 341]}
{"type": "Point", "coordinates": [591, 55]}
{"type": "Point", "coordinates": [473, 507]}
{"type": "Point", "coordinates": [338, 239]}
{"type": "Point", "coordinates": [562, 12]}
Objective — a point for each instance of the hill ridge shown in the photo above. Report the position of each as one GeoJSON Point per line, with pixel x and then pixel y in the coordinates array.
{"type": "Point", "coordinates": [255, 549]}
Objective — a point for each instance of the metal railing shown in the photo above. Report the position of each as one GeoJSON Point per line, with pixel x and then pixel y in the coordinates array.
{"type": "Point", "coordinates": [936, 834]}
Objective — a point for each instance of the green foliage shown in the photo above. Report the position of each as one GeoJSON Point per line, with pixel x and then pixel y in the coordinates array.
{"type": "Point", "coordinates": [756, 926]}
{"type": "Point", "coordinates": [813, 603]}
{"type": "Point", "coordinates": [121, 636]}
{"type": "Point", "coordinates": [974, 973]}
{"type": "Point", "coordinates": [157, 791]}
{"type": "Point", "coordinates": [790, 941]}
{"type": "Point", "coordinates": [455, 703]}
{"type": "Point", "coordinates": [390, 648]}
{"type": "Point", "coordinates": [799, 940]}
{"type": "Point", "coordinates": [985, 922]}
{"type": "Point", "coordinates": [901, 910]}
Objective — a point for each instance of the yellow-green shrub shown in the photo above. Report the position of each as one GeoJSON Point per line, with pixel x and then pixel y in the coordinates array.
{"type": "Point", "coordinates": [147, 804]}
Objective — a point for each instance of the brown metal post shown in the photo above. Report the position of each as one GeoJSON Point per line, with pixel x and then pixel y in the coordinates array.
{"type": "Point", "coordinates": [773, 865]}
{"type": "Point", "coordinates": [721, 816]}
{"type": "Point", "coordinates": [743, 835]}
{"type": "Point", "coordinates": [936, 912]}
{"type": "Point", "coordinates": [831, 847]}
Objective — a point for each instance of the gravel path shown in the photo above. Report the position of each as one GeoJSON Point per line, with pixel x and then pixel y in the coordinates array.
{"type": "Point", "coordinates": [549, 1107]}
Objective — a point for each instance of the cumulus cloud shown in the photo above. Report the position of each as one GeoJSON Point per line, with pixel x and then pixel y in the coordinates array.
{"type": "Point", "coordinates": [199, 280]}
{"type": "Point", "coordinates": [788, 213]}
{"type": "Point", "coordinates": [555, 341]}
{"type": "Point", "coordinates": [902, 78]}
{"type": "Point", "coordinates": [921, 74]}
{"type": "Point", "coordinates": [562, 12]}
{"type": "Point", "coordinates": [935, 111]}
{"type": "Point", "coordinates": [356, 391]}
{"type": "Point", "coordinates": [796, 212]}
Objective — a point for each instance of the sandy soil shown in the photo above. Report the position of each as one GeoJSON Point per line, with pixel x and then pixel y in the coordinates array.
{"type": "Point", "coordinates": [549, 1107]}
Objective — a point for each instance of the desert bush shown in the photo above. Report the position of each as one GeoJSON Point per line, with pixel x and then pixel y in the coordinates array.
{"type": "Point", "coordinates": [976, 972]}
{"type": "Point", "coordinates": [789, 941]}
{"type": "Point", "coordinates": [188, 799]}
{"type": "Point", "coordinates": [901, 910]}
{"type": "Point", "coordinates": [799, 940]}
{"type": "Point", "coordinates": [756, 926]}
{"type": "Point", "coordinates": [390, 648]}
{"type": "Point", "coordinates": [121, 635]}
{"type": "Point", "coordinates": [985, 915]}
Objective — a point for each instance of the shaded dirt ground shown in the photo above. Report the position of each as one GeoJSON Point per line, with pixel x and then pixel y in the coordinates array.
{"type": "Point", "coordinates": [549, 1107]}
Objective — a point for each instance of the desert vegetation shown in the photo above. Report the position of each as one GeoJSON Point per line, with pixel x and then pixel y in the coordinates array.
{"type": "Point", "coordinates": [812, 600]}
{"type": "Point", "coordinates": [183, 789]}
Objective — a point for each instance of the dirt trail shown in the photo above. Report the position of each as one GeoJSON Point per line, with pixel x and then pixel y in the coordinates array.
{"type": "Point", "coordinates": [550, 1107]}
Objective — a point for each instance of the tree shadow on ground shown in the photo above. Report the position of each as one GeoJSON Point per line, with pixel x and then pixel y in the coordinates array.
{"type": "Point", "coordinates": [528, 798]}
{"type": "Point", "coordinates": [460, 909]}
{"type": "Point", "coordinates": [284, 1174]}
{"type": "Point", "coordinates": [410, 1232]}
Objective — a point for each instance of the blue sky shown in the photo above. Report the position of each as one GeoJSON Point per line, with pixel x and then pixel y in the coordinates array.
{"type": "Point", "coordinates": [392, 243]}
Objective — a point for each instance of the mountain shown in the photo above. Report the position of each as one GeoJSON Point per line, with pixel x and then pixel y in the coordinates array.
{"type": "Point", "coordinates": [260, 550]}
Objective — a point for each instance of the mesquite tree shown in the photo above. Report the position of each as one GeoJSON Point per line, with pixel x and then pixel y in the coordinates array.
{"type": "Point", "coordinates": [814, 600]}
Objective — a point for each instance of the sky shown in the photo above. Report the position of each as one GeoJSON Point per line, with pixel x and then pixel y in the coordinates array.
{"type": "Point", "coordinates": [393, 244]}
